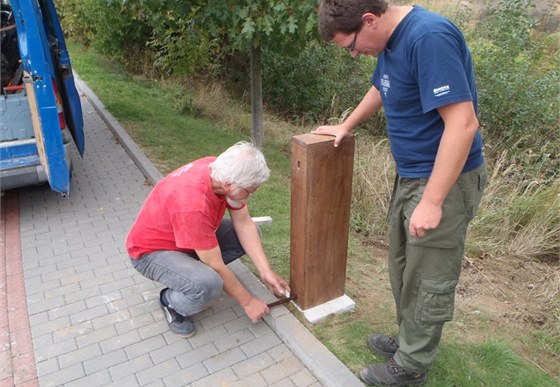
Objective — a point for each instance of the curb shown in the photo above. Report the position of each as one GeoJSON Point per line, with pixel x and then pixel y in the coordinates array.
{"type": "Point", "coordinates": [326, 367]}
{"type": "Point", "coordinates": [140, 159]}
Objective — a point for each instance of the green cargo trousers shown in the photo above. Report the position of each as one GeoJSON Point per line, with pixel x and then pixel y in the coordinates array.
{"type": "Point", "coordinates": [424, 272]}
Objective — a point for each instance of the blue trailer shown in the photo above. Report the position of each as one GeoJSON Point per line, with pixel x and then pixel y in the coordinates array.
{"type": "Point", "coordinates": [40, 110]}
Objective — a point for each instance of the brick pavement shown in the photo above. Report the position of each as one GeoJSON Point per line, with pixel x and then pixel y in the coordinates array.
{"type": "Point", "coordinates": [95, 321]}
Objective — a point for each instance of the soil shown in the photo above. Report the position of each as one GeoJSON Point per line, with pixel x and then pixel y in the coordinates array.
{"type": "Point", "coordinates": [505, 298]}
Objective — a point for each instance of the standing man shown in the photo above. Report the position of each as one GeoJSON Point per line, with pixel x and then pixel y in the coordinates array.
{"type": "Point", "coordinates": [182, 240]}
{"type": "Point", "coordinates": [424, 81]}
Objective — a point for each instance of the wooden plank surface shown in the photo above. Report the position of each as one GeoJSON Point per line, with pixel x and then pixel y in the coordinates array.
{"type": "Point", "coordinates": [320, 214]}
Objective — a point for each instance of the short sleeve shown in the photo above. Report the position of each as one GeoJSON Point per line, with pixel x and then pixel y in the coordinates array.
{"type": "Point", "coordinates": [440, 64]}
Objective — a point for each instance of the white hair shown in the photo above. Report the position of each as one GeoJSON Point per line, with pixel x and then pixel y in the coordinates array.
{"type": "Point", "coordinates": [242, 164]}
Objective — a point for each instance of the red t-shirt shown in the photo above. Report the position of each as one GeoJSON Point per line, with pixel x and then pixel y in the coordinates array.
{"type": "Point", "coordinates": [181, 213]}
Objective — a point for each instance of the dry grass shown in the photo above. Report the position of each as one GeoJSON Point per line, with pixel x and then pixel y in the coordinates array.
{"type": "Point", "coordinates": [213, 101]}
{"type": "Point", "coordinates": [519, 215]}
{"type": "Point", "coordinates": [374, 174]}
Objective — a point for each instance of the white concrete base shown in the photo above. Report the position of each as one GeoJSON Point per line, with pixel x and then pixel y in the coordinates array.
{"type": "Point", "coordinates": [338, 305]}
{"type": "Point", "coordinates": [262, 219]}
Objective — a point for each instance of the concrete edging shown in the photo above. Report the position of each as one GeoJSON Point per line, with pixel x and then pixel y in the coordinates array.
{"type": "Point", "coordinates": [326, 367]}
{"type": "Point", "coordinates": [140, 159]}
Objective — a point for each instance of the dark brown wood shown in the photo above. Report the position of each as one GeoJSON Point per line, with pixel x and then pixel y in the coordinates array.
{"type": "Point", "coordinates": [320, 215]}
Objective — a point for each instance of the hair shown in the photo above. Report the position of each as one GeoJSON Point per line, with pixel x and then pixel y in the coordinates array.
{"type": "Point", "coordinates": [345, 16]}
{"type": "Point", "coordinates": [242, 164]}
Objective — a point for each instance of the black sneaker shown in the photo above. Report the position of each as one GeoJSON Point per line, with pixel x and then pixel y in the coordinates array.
{"type": "Point", "coordinates": [391, 374]}
{"type": "Point", "coordinates": [180, 325]}
{"type": "Point", "coordinates": [383, 345]}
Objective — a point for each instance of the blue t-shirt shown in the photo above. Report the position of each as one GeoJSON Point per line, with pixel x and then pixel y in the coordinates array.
{"type": "Point", "coordinates": [426, 65]}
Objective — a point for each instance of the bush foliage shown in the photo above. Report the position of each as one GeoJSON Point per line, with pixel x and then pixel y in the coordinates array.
{"type": "Point", "coordinates": [518, 76]}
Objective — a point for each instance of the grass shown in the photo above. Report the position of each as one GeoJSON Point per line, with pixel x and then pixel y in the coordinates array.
{"type": "Point", "coordinates": [151, 113]}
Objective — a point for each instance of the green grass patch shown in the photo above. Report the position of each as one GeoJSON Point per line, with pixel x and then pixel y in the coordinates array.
{"type": "Point", "coordinates": [146, 109]}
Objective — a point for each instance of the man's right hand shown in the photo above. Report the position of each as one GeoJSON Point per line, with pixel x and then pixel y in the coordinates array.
{"type": "Point", "coordinates": [338, 131]}
{"type": "Point", "coordinates": [256, 309]}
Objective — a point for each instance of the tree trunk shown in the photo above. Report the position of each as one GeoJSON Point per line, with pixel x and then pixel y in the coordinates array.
{"type": "Point", "coordinates": [257, 129]}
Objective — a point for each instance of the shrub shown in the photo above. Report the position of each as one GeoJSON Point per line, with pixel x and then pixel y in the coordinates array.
{"type": "Point", "coordinates": [117, 29]}
{"type": "Point", "coordinates": [518, 75]}
{"type": "Point", "coordinates": [321, 82]}
{"type": "Point", "coordinates": [150, 38]}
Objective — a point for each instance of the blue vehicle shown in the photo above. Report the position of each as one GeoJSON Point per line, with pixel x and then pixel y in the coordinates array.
{"type": "Point", "coordinates": [39, 105]}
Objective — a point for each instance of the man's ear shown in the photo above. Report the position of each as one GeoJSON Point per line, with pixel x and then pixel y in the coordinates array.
{"type": "Point", "coordinates": [371, 20]}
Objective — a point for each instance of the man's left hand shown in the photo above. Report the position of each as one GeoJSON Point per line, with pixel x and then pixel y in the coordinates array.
{"type": "Point", "coordinates": [275, 283]}
{"type": "Point", "coordinates": [425, 217]}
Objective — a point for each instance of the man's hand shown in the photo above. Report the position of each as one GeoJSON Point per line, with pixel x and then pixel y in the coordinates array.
{"type": "Point", "coordinates": [338, 131]}
{"type": "Point", "coordinates": [255, 309]}
{"type": "Point", "coordinates": [275, 283]}
{"type": "Point", "coordinates": [426, 216]}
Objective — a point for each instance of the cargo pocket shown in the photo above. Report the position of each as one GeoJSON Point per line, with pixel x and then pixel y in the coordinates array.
{"type": "Point", "coordinates": [436, 301]}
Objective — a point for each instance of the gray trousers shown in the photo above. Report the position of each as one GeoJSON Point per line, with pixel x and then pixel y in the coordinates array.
{"type": "Point", "coordinates": [193, 284]}
{"type": "Point", "coordinates": [424, 272]}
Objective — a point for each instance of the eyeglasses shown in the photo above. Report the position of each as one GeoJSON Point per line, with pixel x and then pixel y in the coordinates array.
{"type": "Point", "coordinates": [352, 46]}
{"type": "Point", "coordinates": [249, 193]}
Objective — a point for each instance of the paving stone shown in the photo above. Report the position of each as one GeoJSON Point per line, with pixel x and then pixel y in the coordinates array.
{"type": "Point", "coordinates": [281, 370]}
{"type": "Point", "coordinates": [145, 346]}
{"type": "Point", "coordinates": [110, 318]}
{"type": "Point", "coordinates": [105, 361]}
{"type": "Point", "coordinates": [67, 310]}
{"type": "Point", "coordinates": [136, 322]}
{"type": "Point", "coordinates": [261, 344]}
{"type": "Point", "coordinates": [303, 378]}
{"type": "Point", "coordinates": [101, 378]}
{"type": "Point", "coordinates": [217, 319]}
{"type": "Point", "coordinates": [223, 378]}
{"type": "Point", "coordinates": [254, 381]}
{"type": "Point", "coordinates": [234, 340]}
{"type": "Point", "coordinates": [47, 367]}
{"type": "Point", "coordinates": [51, 351]}
{"type": "Point", "coordinates": [120, 341]}
{"type": "Point", "coordinates": [283, 383]}
{"type": "Point", "coordinates": [177, 379]}
{"type": "Point", "coordinates": [71, 331]}
{"type": "Point", "coordinates": [157, 372]}
{"type": "Point", "coordinates": [79, 355]}
{"type": "Point", "coordinates": [89, 314]}
{"type": "Point", "coordinates": [253, 365]}
{"type": "Point", "coordinates": [130, 367]}
{"type": "Point", "coordinates": [224, 360]}
{"type": "Point", "coordinates": [59, 378]}
{"type": "Point", "coordinates": [170, 351]}
{"type": "Point", "coordinates": [197, 355]}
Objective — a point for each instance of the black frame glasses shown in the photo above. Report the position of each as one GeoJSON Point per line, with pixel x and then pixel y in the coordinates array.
{"type": "Point", "coordinates": [352, 46]}
{"type": "Point", "coordinates": [249, 193]}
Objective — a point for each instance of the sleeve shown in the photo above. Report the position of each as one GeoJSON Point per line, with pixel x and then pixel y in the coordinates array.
{"type": "Point", "coordinates": [440, 65]}
{"type": "Point", "coordinates": [237, 207]}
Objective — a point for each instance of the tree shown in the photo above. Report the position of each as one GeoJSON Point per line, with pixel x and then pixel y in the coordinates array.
{"type": "Point", "coordinates": [282, 25]}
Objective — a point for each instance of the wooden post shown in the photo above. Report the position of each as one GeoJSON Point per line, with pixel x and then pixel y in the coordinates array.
{"type": "Point", "coordinates": [320, 215]}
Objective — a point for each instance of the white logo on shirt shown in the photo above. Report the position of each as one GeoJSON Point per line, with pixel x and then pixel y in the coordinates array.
{"type": "Point", "coordinates": [385, 84]}
{"type": "Point", "coordinates": [440, 91]}
{"type": "Point", "coordinates": [182, 170]}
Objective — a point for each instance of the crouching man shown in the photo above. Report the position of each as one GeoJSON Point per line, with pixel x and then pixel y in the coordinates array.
{"type": "Point", "coordinates": [182, 240]}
